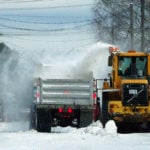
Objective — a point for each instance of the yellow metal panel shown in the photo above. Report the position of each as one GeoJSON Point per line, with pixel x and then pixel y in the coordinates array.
{"type": "Point", "coordinates": [132, 54]}
{"type": "Point", "coordinates": [141, 81]}
{"type": "Point", "coordinates": [118, 108]}
{"type": "Point", "coordinates": [148, 64]}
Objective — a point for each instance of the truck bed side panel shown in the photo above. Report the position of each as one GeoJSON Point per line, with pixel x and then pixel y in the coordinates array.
{"type": "Point", "coordinates": [65, 91]}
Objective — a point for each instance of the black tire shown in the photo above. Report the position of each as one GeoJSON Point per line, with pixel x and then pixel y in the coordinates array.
{"type": "Point", "coordinates": [32, 116]}
{"type": "Point", "coordinates": [43, 120]}
{"type": "Point", "coordinates": [86, 118]}
{"type": "Point", "coordinates": [104, 110]}
{"type": "Point", "coordinates": [148, 126]}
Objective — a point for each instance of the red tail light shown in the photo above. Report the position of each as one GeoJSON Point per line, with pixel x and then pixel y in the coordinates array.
{"type": "Point", "coordinates": [70, 110]}
{"type": "Point", "coordinates": [37, 95]}
{"type": "Point", "coordinates": [60, 110]}
{"type": "Point", "coordinates": [94, 95]}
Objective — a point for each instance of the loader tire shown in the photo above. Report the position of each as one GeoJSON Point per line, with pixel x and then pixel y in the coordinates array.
{"type": "Point", "coordinates": [104, 111]}
{"type": "Point", "coordinates": [148, 126]}
{"type": "Point", "coordinates": [86, 118]}
{"type": "Point", "coordinates": [43, 120]}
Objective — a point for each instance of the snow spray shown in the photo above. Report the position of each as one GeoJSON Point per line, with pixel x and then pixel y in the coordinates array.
{"type": "Point", "coordinates": [94, 59]}
{"type": "Point", "coordinates": [18, 70]}
{"type": "Point", "coordinates": [14, 84]}
{"type": "Point", "coordinates": [79, 63]}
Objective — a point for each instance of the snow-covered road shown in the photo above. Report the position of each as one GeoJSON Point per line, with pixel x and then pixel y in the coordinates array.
{"type": "Point", "coordinates": [16, 136]}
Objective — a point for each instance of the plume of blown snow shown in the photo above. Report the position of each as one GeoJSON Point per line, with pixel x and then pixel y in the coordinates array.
{"type": "Point", "coordinates": [93, 60]}
{"type": "Point", "coordinates": [77, 63]}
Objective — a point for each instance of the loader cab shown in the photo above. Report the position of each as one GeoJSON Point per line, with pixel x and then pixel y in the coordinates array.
{"type": "Point", "coordinates": [132, 66]}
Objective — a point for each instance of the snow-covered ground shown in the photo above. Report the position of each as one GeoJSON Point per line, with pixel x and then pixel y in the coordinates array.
{"type": "Point", "coordinates": [93, 137]}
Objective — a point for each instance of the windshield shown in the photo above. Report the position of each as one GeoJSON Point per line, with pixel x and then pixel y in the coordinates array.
{"type": "Point", "coordinates": [132, 66]}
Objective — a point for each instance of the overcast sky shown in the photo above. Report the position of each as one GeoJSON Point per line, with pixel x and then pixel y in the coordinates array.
{"type": "Point", "coordinates": [51, 7]}
{"type": "Point", "coordinates": [47, 17]}
{"type": "Point", "coordinates": [52, 12]}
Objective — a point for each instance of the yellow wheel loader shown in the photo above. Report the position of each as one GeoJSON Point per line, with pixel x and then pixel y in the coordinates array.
{"type": "Point", "coordinates": [126, 95]}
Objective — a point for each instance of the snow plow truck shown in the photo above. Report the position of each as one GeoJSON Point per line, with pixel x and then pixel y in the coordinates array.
{"type": "Point", "coordinates": [126, 94]}
{"type": "Point", "coordinates": [64, 102]}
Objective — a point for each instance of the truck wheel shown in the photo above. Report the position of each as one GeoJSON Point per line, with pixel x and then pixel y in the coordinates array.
{"type": "Point", "coordinates": [43, 120]}
{"type": "Point", "coordinates": [32, 116]}
{"type": "Point", "coordinates": [86, 118]}
{"type": "Point", "coordinates": [104, 111]}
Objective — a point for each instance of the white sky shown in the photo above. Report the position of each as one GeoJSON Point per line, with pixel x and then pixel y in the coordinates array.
{"type": "Point", "coordinates": [65, 7]}
{"type": "Point", "coordinates": [76, 23]}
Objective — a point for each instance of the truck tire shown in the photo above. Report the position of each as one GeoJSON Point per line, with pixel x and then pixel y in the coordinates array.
{"type": "Point", "coordinates": [32, 116]}
{"type": "Point", "coordinates": [43, 120]}
{"type": "Point", "coordinates": [104, 110]}
{"type": "Point", "coordinates": [86, 118]}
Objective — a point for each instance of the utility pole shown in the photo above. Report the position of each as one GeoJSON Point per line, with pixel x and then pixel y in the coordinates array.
{"type": "Point", "coordinates": [112, 21]}
{"type": "Point", "coordinates": [142, 24]}
{"type": "Point", "coordinates": [131, 25]}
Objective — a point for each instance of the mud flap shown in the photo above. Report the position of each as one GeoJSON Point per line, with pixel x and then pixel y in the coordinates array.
{"type": "Point", "coordinates": [43, 120]}
{"type": "Point", "coordinates": [86, 118]}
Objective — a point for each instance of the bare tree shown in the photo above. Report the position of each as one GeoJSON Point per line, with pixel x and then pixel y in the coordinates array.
{"type": "Point", "coordinates": [121, 22]}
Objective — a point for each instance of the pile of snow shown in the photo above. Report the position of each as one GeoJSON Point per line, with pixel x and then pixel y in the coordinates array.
{"type": "Point", "coordinates": [110, 127]}
{"type": "Point", "coordinates": [95, 129]}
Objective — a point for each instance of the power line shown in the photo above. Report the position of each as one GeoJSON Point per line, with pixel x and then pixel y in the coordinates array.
{"type": "Point", "coordinates": [44, 30]}
{"type": "Point", "coordinates": [10, 33]}
{"type": "Point", "coordinates": [49, 7]}
{"type": "Point", "coordinates": [23, 1]}
{"type": "Point", "coordinates": [43, 16]}
{"type": "Point", "coordinates": [37, 22]}
{"type": "Point", "coordinates": [45, 34]}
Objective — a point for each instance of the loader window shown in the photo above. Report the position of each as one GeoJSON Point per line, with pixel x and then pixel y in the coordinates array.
{"type": "Point", "coordinates": [132, 66]}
